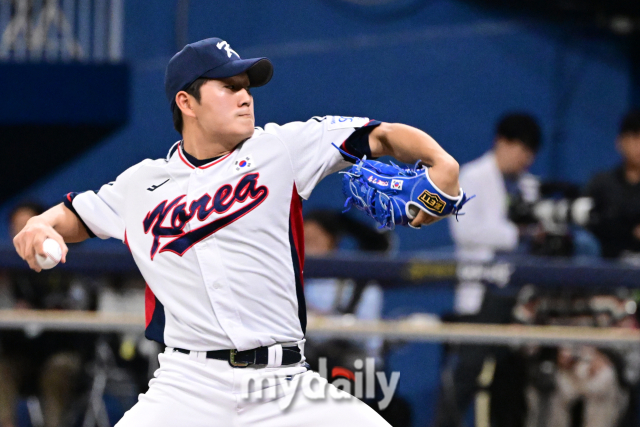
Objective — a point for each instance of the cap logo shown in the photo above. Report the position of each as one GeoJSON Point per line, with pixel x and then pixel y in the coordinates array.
{"type": "Point", "coordinates": [211, 58]}
{"type": "Point", "coordinates": [224, 45]}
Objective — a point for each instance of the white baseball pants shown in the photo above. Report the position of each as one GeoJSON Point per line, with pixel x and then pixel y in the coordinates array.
{"type": "Point", "coordinates": [190, 391]}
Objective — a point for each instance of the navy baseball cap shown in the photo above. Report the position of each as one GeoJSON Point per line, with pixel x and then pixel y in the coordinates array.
{"type": "Point", "coordinates": [214, 59]}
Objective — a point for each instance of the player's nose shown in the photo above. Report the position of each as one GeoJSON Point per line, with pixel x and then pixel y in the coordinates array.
{"type": "Point", "coordinates": [245, 97]}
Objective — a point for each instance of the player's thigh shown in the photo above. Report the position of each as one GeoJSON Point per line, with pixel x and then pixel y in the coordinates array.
{"type": "Point", "coordinates": [173, 403]}
{"type": "Point", "coordinates": [309, 407]}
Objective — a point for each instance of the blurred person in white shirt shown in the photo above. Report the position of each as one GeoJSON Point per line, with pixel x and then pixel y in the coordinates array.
{"type": "Point", "coordinates": [499, 180]}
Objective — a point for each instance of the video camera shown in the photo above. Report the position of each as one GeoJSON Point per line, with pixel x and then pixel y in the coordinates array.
{"type": "Point", "coordinates": [549, 218]}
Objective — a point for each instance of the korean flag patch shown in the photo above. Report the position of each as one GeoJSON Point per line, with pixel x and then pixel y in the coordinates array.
{"type": "Point", "coordinates": [244, 163]}
{"type": "Point", "coordinates": [396, 184]}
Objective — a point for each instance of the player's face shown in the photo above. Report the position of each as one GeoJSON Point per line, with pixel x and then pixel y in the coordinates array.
{"type": "Point", "coordinates": [19, 220]}
{"type": "Point", "coordinates": [225, 109]}
{"type": "Point", "coordinates": [317, 241]}
{"type": "Point", "coordinates": [629, 146]}
{"type": "Point", "coordinates": [515, 157]}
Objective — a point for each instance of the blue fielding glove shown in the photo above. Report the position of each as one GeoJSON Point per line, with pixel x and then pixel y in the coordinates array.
{"type": "Point", "coordinates": [393, 195]}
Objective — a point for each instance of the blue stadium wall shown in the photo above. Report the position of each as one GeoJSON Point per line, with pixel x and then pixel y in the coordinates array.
{"type": "Point", "coordinates": [448, 67]}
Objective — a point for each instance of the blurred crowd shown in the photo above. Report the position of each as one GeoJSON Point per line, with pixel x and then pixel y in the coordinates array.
{"type": "Point", "coordinates": [519, 213]}
{"type": "Point", "coordinates": [48, 379]}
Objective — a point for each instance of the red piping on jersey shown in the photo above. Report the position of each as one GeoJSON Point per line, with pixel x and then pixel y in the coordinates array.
{"type": "Point", "coordinates": [217, 161]}
{"type": "Point", "coordinates": [297, 229]}
{"type": "Point", "coordinates": [186, 162]}
{"type": "Point", "coordinates": [344, 148]}
{"type": "Point", "coordinates": [149, 305]}
{"type": "Point", "coordinates": [149, 297]}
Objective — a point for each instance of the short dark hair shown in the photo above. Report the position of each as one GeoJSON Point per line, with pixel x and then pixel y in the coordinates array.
{"type": "Point", "coordinates": [193, 90]}
{"type": "Point", "coordinates": [337, 225]}
{"type": "Point", "coordinates": [522, 127]}
{"type": "Point", "coordinates": [630, 123]}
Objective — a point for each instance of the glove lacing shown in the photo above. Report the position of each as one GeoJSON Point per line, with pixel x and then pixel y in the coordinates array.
{"type": "Point", "coordinates": [370, 205]}
{"type": "Point", "coordinates": [377, 204]}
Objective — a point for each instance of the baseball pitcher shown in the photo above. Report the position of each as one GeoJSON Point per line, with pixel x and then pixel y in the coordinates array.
{"type": "Point", "coordinates": [216, 230]}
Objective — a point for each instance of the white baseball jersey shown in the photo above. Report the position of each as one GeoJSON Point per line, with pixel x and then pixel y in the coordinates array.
{"type": "Point", "coordinates": [221, 245]}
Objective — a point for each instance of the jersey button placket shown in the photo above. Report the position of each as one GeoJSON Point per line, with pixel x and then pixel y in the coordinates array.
{"type": "Point", "coordinates": [220, 293]}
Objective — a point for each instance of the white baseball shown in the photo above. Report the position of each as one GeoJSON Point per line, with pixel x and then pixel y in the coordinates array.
{"type": "Point", "coordinates": [54, 254]}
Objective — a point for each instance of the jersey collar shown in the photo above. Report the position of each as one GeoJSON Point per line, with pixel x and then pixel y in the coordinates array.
{"type": "Point", "coordinates": [178, 147]}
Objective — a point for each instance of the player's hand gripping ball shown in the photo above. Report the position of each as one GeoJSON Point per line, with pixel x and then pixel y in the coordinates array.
{"type": "Point", "coordinates": [393, 195]}
{"type": "Point", "coordinates": [53, 255]}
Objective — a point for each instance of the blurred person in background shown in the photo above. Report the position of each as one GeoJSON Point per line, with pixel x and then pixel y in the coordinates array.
{"type": "Point", "coordinates": [54, 290]}
{"type": "Point", "coordinates": [498, 178]}
{"type": "Point", "coordinates": [595, 385]}
{"type": "Point", "coordinates": [324, 234]}
{"type": "Point", "coordinates": [44, 368]}
{"type": "Point", "coordinates": [579, 384]}
{"type": "Point", "coordinates": [615, 216]}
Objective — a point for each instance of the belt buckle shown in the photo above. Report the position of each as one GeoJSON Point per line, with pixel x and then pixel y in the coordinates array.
{"type": "Point", "coordinates": [232, 360]}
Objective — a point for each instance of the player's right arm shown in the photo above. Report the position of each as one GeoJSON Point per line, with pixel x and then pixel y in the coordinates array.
{"type": "Point", "coordinates": [80, 216]}
{"type": "Point", "coordinates": [58, 223]}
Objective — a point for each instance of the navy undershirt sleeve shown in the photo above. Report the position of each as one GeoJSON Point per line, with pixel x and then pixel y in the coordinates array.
{"type": "Point", "coordinates": [358, 142]}
{"type": "Point", "coordinates": [68, 202]}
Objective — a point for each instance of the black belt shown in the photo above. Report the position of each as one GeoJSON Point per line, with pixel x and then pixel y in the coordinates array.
{"type": "Point", "coordinates": [257, 356]}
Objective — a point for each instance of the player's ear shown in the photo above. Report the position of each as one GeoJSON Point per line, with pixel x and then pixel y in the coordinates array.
{"type": "Point", "coordinates": [183, 102]}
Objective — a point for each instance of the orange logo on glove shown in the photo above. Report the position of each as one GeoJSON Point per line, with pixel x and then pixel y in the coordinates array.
{"type": "Point", "coordinates": [431, 201]}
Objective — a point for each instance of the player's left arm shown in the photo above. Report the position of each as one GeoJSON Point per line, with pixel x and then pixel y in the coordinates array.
{"type": "Point", "coordinates": [408, 145]}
